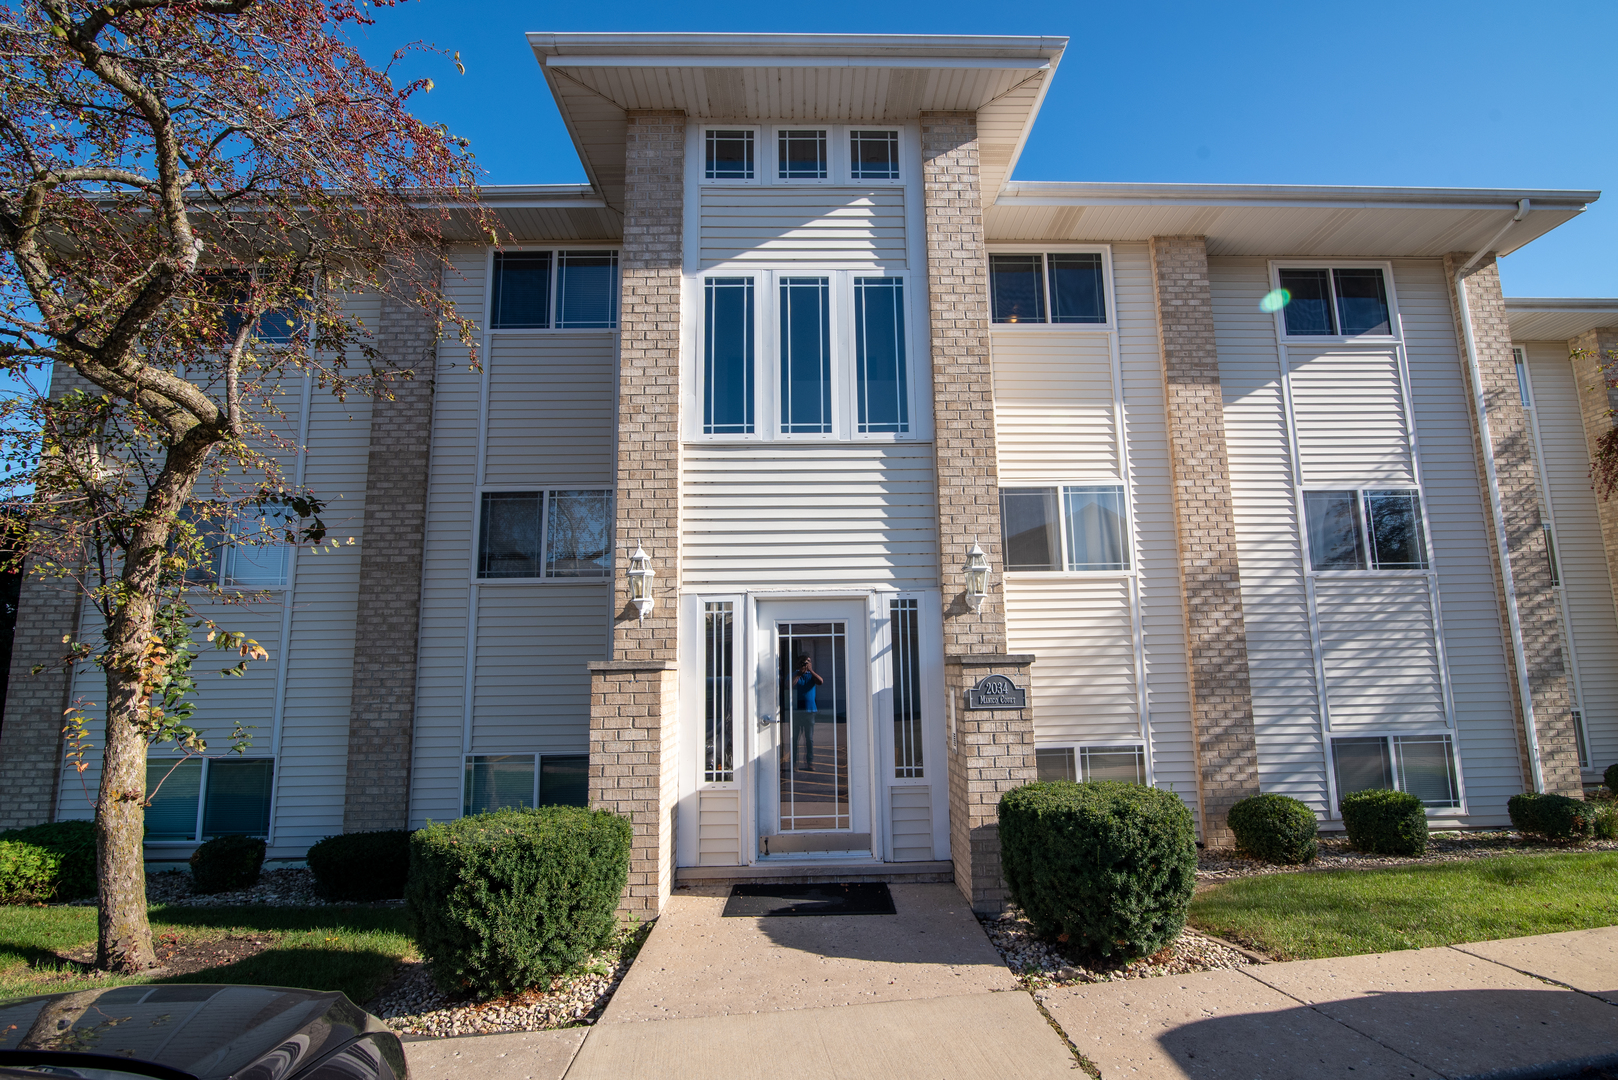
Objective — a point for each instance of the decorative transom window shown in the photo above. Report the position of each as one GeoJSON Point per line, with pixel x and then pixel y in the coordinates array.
{"type": "Point", "coordinates": [499, 781]}
{"type": "Point", "coordinates": [729, 154]}
{"type": "Point", "coordinates": [802, 155]}
{"type": "Point", "coordinates": [557, 533]}
{"type": "Point", "coordinates": [873, 155]}
{"type": "Point", "coordinates": [1343, 302]}
{"type": "Point", "coordinates": [807, 352]}
{"type": "Point", "coordinates": [1059, 287]}
{"type": "Point", "coordinates": [1423, 765]}
{"type": "Point", "coordinates": [1073, 527]}
{"type": "Point", "coordinates": [565, 290]}
{"type": "Point", "coordinates": [1086, 763]}
{"type": "Point", "coordinates": [1365, 530]}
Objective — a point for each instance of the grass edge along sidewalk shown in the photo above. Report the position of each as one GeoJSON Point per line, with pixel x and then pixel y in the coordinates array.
{"type": "Point", "coordinates": [1354, 912]}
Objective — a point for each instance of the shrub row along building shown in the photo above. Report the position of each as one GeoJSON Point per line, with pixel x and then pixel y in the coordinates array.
{"type": "Point", "coordinates": [820, 484]}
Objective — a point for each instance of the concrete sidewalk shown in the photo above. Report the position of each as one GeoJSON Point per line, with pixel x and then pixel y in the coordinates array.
{"type": "Point", "coordinates": [923, 994]}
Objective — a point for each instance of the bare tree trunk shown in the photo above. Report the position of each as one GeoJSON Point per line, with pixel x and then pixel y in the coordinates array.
{"type": "Point", "coordinates": [124, 941]}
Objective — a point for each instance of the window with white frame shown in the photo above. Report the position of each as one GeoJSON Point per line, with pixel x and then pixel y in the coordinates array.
{"type": "Point", "coordinates": [237, 553]}
{"type": "Point", "coordinates": [1520, 355]}
{"type": "Point", "coordinates": [1126, 762]}
{"type": "Point", "coordinates": [904, 615]}
{"type": "Point", "coordinates": [873, 155]}
{"type": "Point", "coordinates": [810, 368]}
{"type": "Point", "coordinates": [1334, 302]}
{"type": "Point", "coordinates": [1375, 529]}
{"type": "Point", "coordinates": [1054, 287]}
{"type": "Point", "coordinates": [1423, 765]}
{"type": "Point", "coordinates": [729, 154]}
{"type": "Point", "coordinates": [554, 533]}
{"type": "Point", "coordinates": [200, 798]}
{"type": "Point", "coordinates": [493, 782]}
{"type": "Point", "coordinates": [1074, 527]}
{"type": "Point", "coordinates": [719, 692]}
{"type": "Point", "coordinates": [802, 154]}
{"type": "Point", "coordinates": [565, 290]}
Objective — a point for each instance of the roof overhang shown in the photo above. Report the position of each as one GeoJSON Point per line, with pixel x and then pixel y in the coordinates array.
{"type": "Point", "coordinates": [566, 213]}
{"type": "Point", "coordinates": [1542, 318]}
{"type": "Point", "coordinates": [848, 78]}
{"type": "Point", "coordinates": [1282, 220]}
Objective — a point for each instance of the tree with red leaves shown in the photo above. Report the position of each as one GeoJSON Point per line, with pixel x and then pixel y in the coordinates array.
{"type": "Point", "coordinates": [189, 191]}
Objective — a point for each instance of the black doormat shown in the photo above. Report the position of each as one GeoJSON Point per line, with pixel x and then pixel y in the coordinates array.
{"type": "Point", "coordinates": [840, 898]}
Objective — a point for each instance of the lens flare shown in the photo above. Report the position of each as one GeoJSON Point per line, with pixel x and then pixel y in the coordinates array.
{"type": "Point", "coordinates": [1274, 301]}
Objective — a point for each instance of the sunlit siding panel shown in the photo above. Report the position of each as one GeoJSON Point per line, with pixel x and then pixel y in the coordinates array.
{"type": "Point", "coordinates": [1082, 632]}
{"type": "Point", "coordinates": [809, 514]}
{"type": "Point", "coordinates": [532, 691]}
{"type": "Point", "coordinates": [1379, 653]}
{"type": "Point", "coordinates": [802, 223]}
{"type": "Point", "coordinates": [1585, 578]}
{"type": "Point", "coordinates": [1280, 655]}
{"type": "Point", "coordinates": [719, 827]}
{"type": "Point", "coordinates": [1053, 406]}
{"type": "Point", "coordinates": [1456, 510]}
{"type": "Point", "coordinates": [1349, 413]}
{"type": "Point", "coordinates": [550, 408]}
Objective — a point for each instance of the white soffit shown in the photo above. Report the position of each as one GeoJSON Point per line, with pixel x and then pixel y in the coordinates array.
{"type": "Point", "coordinates": [1281, 220]}
{"type": "Point", "coordinates": [561, 213]}
{"type": "Point", "coordinates": [835, 78]}
{"type": "Point", "coordinates": [1540, 318]}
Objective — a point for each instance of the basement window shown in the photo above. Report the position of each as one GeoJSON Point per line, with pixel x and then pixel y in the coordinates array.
{"type": "Point", "coordinates": [201, 797]}
{"type": "Point", "coordinates": [1423, 765]}
{"type": "Point", "coordinates": [1087, 763]}
{"type": "Point", "coordinates": [493, 782]}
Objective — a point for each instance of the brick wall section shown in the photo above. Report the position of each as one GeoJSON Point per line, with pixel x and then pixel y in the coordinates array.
{"type": "Point", "coordinates": [31, 731]}
{"type": "Point", "coordinates": [1204, 519]}
{"type": "Point", "coordinates": [382, 714]}
{"type": "Point", "coordinates": [1517, 473]}
{"type": "Point", "coordinates": [1596, 403]}
{"type": "Point", "coordinates": [634, 698]}
{"type": "Point", "coordinates": [990, 753]}
{"type": "Point", "coordinates": [633, 752]}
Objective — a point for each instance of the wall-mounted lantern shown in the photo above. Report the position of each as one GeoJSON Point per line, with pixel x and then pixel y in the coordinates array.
{"type": "Point", "coordinates": [640, 582]}
{"type": "Point", "coordinates": [977, 577]}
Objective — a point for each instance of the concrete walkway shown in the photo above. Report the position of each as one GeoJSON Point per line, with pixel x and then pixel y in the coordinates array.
{"type": "Point", "coordinates": [923, 994]}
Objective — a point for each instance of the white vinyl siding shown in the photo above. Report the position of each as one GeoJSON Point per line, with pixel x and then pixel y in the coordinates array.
{"type": "Point", "coordinates": [550, 408]}
{"type": "Point", "coordinates": [1586, 582]}
{"type": "Point", "coordinates": [1083, 633]}
{"type": "Point", "coordinates": [531, 692]}
{"type": "Point", "coordinates": [1349, 415]}
{"type": "Point", "coordinates": [719, 827]}
{"type": "Point", "coordinates": [787, 223]}
{"type": "Point", "coordinates": [781, 515]}
{"type": "Point", "coordinates": [912, 817]}
{"type": "Point", "coordinates": [1053, 406]}
{"type": "Point", "coordinates": [1379, 654]}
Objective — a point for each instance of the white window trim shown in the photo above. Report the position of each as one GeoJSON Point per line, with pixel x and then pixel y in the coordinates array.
{"type": "Point", "coordinates": [845, 141]}
{"type": "Point", "coordinates": [1365, 525]}
{"type": "Point", "coordinates": [766, 155]}
{"type": "Point", "coordinates": [763, 156]}
{"type": "Point", "coordinates": [1078, 746]}
{"type": "Point", "coordinates": [835, 169]}
{"type": "Point", "coordinates": [844, 362]}
{"type": "Point", "coordinates": [1109, 288]}
{"type": "Point", "coordinates": [1334, 812]}
{"type": "Point", "coordinates": [1087, 575]}
{"type": "Point", "coordinates": [205, 762]}
{"type": "Point", "coordinates": [1394, 320]}
{"type": "Point", "coordinates": [544, 536]}
{"type": "Point", "coordinates": [488, 330]}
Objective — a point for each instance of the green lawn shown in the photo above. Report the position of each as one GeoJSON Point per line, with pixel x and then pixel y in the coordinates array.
{"type": "Point", "coordinates": [352, 949]}
{"type": "Point", "coordinates": [1347, 912]}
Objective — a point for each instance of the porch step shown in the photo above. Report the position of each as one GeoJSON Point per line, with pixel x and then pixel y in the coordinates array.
{"type": "Point", "coordinates": [815, 873]}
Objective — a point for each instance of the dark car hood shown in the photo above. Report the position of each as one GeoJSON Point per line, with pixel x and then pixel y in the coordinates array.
{"type": "Point", "coordinates": [209, 1032]}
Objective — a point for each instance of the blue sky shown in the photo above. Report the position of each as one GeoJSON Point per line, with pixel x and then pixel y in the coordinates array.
{"type": "Point", "coordinates": [1414, 93]}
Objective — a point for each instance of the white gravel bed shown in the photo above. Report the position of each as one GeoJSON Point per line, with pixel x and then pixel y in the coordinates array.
{"type": "Point", "coordinates": [1039, 966]}
{"type": "Point", "coordinates": [293, 887]}
{"type": "Point", "coordinates": [412, 1005]}
{"type": "Point", "coordinates": [1442, 847]}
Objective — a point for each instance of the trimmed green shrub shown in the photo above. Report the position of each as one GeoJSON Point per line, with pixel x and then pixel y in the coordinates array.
{"type": "Point", "coordinates": [74, 845]}
{"type": "Point", "coordinates": [503, 901]}
{"type": "Point", "coordinates": [1610, 778]}
{"type": "Point", "coordinates": [1385, 822]}
{"type": "Point", "coordinates": [1554, 817]}
{"type": "Point", "coordinates": [27, 872]}
{"type": "Point", "coordinates": [1107, 867]}
{"type": "Point", "coordinates": [1606, 826]}
{"type": "Point", "coordinates": [362, 866]}
{"type": "Point", "coordinates": [1275, 828]}
{"type": "Point", "coordinates": [226, 863]}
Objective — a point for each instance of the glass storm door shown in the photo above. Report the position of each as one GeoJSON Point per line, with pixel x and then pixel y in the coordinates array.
{"type": "Point", "coordinates": [813, 773]}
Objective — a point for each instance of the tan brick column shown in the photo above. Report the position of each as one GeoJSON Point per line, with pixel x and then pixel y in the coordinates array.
{"type": "Point", "coordinates": [990, 752]}
{"type": "Point", "coordinates": [634, 699]}
{"type": "Point", "coordinates": [388, 616]}
{"type": "Point", "coordinates": [1517, 477]}
{"type": "Point", "coordinates": [31, 732]}
{"type": "Point", "coordinates": [1205, 525]}
{"type": "Point", "coordinates": [1597, 402]}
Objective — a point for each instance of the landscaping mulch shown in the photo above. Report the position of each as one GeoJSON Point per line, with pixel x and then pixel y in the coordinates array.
{"type": "Point", "coordinates": [1335, 854]}
{"type": "Point", "coordinates": [1040, 965]}
{"type": "Point", "coordinates": [177, 956]}
{"type": "Point", "coordinates": [412, 1005]}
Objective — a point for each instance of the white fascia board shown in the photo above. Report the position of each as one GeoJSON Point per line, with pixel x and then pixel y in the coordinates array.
{"type": "Point", "coordinates": [1028, 124]}
{"type": "Point", "coordinates": [1062, 193]}
{"type": "Point", "coordinates": [798, 61]}
{"type": "Point", "coordinates": [1562, 303]}
{"type": "Point", "coordinates": [772, 49]}
{"type": "Point", "coordinates": [542, 196]}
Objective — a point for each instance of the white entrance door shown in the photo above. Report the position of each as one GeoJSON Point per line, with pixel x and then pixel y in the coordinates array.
{"type": "Point", "coordinates": [813, 760]}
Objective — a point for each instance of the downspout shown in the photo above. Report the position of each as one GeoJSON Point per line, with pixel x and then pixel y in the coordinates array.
{"type": "Point", "coordinates": [1496, 510]}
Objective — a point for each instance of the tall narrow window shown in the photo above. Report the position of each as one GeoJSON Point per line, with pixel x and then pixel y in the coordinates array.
{"type": "Point", "coordinates": [1521, 356]}
{"type": "Point", "coordinates": [874, 155]}
{"type": "Point", "coordinates": [730, 155]}
{"type": "Point", "coordinates": [587, 290]}
{"type": "Point", "coordinates": [802, 155]}
{"type": "Point", "coordinates": [727, 405]}
{"type": "Point", "coordinates": [719, 694]}
{"type": "Point", "coordinates": [905, 619]}
{"type": "Point", "coordinates": [879, 347]}
{"type": "Point", "coordinates": [578, 540]}
{"type": "Point", "coordinates": [1097, 527]}
{"type": "Point", "coordinates": [522, 290]}
{"type": "Point", "coordinates": [1016, 288]}
{"type": "Point", "coordinates": [806, 355]}
{"type": "Point", "coordinates": [1550, 554]}
{"type": "Point", "coordinates": [1078, 290]}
